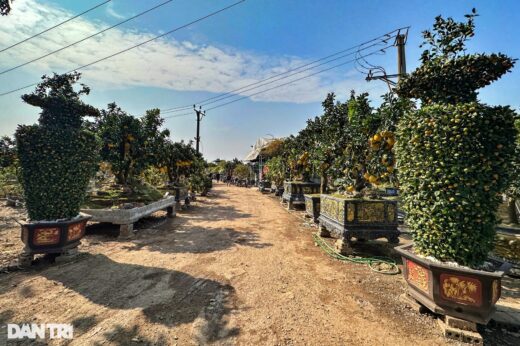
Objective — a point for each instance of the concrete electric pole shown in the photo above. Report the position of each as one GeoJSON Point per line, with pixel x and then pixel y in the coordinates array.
{"type": "Point", "coordinates": [199, 114]}
{"type": "Point", "coordinates": [401, 55]}
{"type": "Point", "coordinates": [400, 42]}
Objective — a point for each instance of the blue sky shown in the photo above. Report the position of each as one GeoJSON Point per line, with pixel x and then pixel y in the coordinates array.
{"type": "Point", "coordinates": [247, 43]}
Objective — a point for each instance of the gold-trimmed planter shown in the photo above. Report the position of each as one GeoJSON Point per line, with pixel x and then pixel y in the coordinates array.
{"type": "Point", "coordinates": [294, 191]}
{"type": "Point", "coordinates": [312, 206]}
{"type": "Point", "coordinates": [53, 237]}
{"type": "Point", "coordinates": [364, 219]}
{"type": "Point", "coordinates": [460, 292]}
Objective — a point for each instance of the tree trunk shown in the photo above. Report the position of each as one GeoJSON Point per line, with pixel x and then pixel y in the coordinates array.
{"type": "Point", "coordinates": [324, 183]}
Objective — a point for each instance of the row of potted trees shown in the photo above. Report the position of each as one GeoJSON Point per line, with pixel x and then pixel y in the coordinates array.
{"type": "Point", "coordinates": [451, 157]}
{"type": "Point", "coordinates": [57, 160]}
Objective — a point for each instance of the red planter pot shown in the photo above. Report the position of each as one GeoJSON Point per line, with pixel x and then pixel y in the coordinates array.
{"type": "Point", "coordinates": [54, 237]}
{"type": "Point", "coordinates": [455, 291]}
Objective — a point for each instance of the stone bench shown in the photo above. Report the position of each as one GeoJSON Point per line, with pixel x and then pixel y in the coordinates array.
{"type": "Point", "coordinates": [125, 218]}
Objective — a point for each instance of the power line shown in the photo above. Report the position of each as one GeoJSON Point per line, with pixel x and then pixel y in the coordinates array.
{"type": "Point", "coordinates": [55, 26]}
{"type": "Point", "coordinates": [272, 79]}
{"type": "Point", "coordinates": [135, 46]}
{"type": "Point", "coordinates": [85, 38]}
{"type": "Point", "coordinates": [178, 115]}
{"type": "Point", "coordinates": [384, 38]}
{"type": "Point", "coordinates": [287, 83]}
{"type": "Point", "coordinates": [298, 79]}
{"type": "Point", "coordinates": [290, 75]}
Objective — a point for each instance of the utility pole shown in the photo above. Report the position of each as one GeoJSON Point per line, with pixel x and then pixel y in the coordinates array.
{"type": "Point", "coordinates": [199, 114]}
{"type": "Point", "coordinates": [401, 56]}
{"type": "Point", "coordinates": [400, 42]}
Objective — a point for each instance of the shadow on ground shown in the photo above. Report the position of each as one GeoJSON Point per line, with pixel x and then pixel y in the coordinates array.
{"type": "Point", "coordinates": [166, 297]}
{"type": "Point", "coordinates": [195, 240]}
{"type": "Point", "coordinates": [208, 211]}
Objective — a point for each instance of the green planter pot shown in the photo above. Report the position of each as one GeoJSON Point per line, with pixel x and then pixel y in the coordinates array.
{"type": "Point", "coordinates": [346, 218]}
{"type": "Point", "coordinates": [454, 291]}
{"type": "Point", "coordinates": [294, 192]}
{"type": "Point", "coordinates": [312, 206]}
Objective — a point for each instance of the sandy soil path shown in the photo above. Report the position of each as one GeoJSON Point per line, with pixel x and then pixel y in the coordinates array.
{"type": "Point", "coordinates": [236, 268]}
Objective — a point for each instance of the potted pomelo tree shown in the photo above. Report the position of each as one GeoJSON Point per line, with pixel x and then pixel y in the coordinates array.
{"type": "Point", "coordinates": [57, 158]}
{"type": "Point", "coordinates": [359, 209]}
{"type": "Point", "coordinates": [453, 158]}
{"type": "Point", "coordinates": [297, 153]}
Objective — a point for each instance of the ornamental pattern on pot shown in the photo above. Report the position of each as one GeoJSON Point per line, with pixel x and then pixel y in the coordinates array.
{"type": "Point", "coordinates": [341, 212]}
{"type": "Point", "coordinates": [75, 231]}
{"type": "Point", "coordinates": [461, 289]}
{"type": "Point", "coordinates": [371, 212]}
{"type": "Point", "coordinates": [391, 212]}
{"type": "Point", "coordinates": [329, 208]}
{"type": "Point", "coordinates": [46, 236]}
{"type": "Point", "coordinates": [417, 275]}
{"type": "Point", "coordinates": [351, 213]}
{"type": "Point", "coordinates": [308, 206]}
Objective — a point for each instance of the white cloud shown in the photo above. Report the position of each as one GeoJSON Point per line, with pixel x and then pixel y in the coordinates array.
{"type": "Point", "coordinates": [112, 12]}
{"type": "Point", "coordinates": [165, 63]}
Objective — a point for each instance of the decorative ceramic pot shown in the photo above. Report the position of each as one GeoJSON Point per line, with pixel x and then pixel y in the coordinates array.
{"type": "Point", "coordinates": [451, 290]}
{"type": "Point", "coordinates": [54, 237]}
{"type": "Point", "coordinates": [294, 191]}
{"type": "Point", "coordinates": [364, 219]}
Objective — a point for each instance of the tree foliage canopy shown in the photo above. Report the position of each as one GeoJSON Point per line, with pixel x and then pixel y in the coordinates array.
{"type": "Point", "coordinates": [454, 153]}
{"type": "Point", "coordinates": [58, 155]}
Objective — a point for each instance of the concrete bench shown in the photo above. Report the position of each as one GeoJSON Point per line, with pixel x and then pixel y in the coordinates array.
{"type": "Point", "coordinates": [126, 217]}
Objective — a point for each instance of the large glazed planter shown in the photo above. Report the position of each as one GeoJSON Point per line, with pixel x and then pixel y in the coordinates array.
{"type": "Point", "coordinates": [450, 290]}
{"type": "Point", "coordinates": [346, 218]}
{"type": "Point", "coordinates": [53, 237]}
{"type": "Point", "coordinates": [294, 191]}
{"type": "Point", "coordinates": [312, 206]}
{"type": "Point", "coordinates": [126, 217]}
{"type": "Point", "coordinates": [507, 247]}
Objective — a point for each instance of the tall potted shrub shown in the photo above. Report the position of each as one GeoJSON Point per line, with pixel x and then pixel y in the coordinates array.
{"type": "Point", "coordinates": [358, 209]}
{"type": "Point", "coordinates": [57, 158]}
{"type": "Point", "coordinates": [453, 158]}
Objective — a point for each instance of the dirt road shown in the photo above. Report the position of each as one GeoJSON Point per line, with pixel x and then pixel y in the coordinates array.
{"type": "Point", "coordinates": [236, 268]}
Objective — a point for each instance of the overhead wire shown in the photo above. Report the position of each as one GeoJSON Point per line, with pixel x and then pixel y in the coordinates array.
{"type": "Point", "coordinates": [85, 38]}
{"type": "Point", "coordinates": [54, 26]}
{"type": "Point", "coordinates": [295, 80]}
{"type": "Point", "coordinates": [284, 84]}
{"type": "Point", "coordinates": [228, 95]}
{"type": "Point", "coordinates": [136, 45]}
{"type": "Point", "coordinates": [383, 38]}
